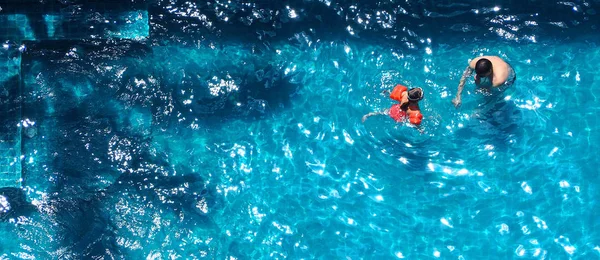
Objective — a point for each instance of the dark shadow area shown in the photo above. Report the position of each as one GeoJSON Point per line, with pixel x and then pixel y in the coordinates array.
{"type": "Point", "coordinates": [260, 93]}
{"type": "Point", "coordinates": [94, 155]}
{"type": "Point", "coordinates": [61, 78]}
{"type": "Point", "coordinates": [75, 119]}
{"type": "Point", "coordinates": [397, 24]}
{"type": "Point", "coordinates": [270, 24]}
{"type": "Point", "coordinates": [476, 20]}
{"type": "Point", "coordinates": [261, 89]}
{"type": "Point", "coordinates": [160, 183]}
{"type": "Point", "coordinates": [10, 105]}
{"type": "Point", "coordinates": [83, 217]}
{"type": "Point", "coordinates": [85, 229]}
{"type": "Point", "coordinates": [14, 204]}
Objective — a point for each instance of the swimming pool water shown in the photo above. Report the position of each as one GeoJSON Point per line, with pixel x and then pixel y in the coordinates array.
{"type": "Point", "coordinates": [233, 131]}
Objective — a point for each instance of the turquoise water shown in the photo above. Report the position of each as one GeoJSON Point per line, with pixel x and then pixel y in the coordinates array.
{"type": "Point", "coordinates": [175, 147]}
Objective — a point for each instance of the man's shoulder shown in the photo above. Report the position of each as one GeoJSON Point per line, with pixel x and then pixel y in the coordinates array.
{"type": "Point", "coordinates": [497, 59]}
{"type": "Point", "coordinates": [474, 61]}
{"type": "Point", "coordinates": [493, 59]}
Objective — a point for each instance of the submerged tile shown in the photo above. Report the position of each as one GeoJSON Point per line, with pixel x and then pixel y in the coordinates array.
{"type": "Point", "coordinates": [74, 22]}
{"type": "Point", "coordinates": [10, 116]}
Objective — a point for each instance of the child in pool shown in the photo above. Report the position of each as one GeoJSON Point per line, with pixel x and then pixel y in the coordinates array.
{"type": "Point", "coordinates": [408, 108]}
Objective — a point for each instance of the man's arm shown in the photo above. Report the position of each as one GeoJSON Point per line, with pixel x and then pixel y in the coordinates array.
{"type": "Point", "coordinates": [457, 100]}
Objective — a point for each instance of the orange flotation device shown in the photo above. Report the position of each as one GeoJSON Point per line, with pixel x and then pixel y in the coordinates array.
{"type": "Point", "coordinates": [414, 117]}
{"type": "Point", "coordinates": [397, 92]}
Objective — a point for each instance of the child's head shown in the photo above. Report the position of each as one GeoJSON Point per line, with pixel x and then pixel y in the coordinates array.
{"type": "Point", "coordinates": [415, 94]}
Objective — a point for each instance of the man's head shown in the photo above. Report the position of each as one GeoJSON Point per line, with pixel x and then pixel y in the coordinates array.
{"type": "Point", "coordinates": [483, 68]}
{"type": "Point", "coordinates": [415, 94]}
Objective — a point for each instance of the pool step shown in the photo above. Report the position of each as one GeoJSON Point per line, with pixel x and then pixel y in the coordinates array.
{"type": "Point", "coordinates": [31, 21]}
{"type": "Point", "coordinates": [10, 116]}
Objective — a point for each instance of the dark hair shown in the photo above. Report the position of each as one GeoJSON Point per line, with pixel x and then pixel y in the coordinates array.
{"type": "Point", "coordinates": [415, 94]}
{"type": "Point", "coordinates": [483, 66]}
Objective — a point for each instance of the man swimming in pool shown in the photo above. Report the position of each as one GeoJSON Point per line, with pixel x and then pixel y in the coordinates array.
{"type": "Point", "coordinates": [408, 108]}
{"type": "Point", "coordinates": [491, 72]}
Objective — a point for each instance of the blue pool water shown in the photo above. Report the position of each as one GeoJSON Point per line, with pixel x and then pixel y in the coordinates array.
{"type": "Point", "coordinates": [232, 130]}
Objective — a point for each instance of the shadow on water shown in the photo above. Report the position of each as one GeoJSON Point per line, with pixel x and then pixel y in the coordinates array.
{"type": "Point", "coordinates": [83, 212]}
{"type": "Point", "coordinates": [260, 93]}
{"type": "Point", "coordinates": [264, 22]}
{"type": "Point", "coordinates": [13, 204]}
{"type": "Point", "coordinates": [260, 89]}
{"type": "Point", "coordinates": [238, 23]}
{"type": "Point", "coordinates": [83, 204]}
{"type": "Point", "coordinates": [10, 105]}
{"type": "Point", "coordinates": [84, 227]}
{"type": "Point", "coordinates": [390, 23]}
{"type": "Point", "coordinates": [75, 110]}
{"type": "Point", "coordinates": [163, 185]}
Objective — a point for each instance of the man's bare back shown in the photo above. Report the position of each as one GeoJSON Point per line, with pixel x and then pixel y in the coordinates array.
{"type": "Point", "coordinates": [491, 71]}
{"type": "Point", "coordinates": [500, 69]}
